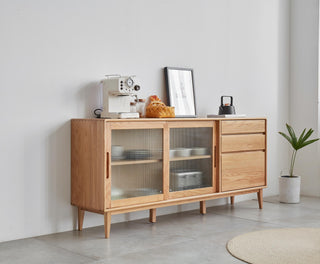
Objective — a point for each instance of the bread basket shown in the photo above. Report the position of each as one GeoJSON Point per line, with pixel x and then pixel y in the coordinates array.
{"type": "Point", "coordinates": [158, 109]}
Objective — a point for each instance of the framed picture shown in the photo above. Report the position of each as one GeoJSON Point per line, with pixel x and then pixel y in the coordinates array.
{"type": "Point", "coordinates": [180, 91]}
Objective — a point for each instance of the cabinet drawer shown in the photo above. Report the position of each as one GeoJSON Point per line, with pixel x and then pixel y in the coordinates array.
{"type": "Point", "coordinates": [243, 170]}
{"type": "Point", "coordinates": [243, 126]}
{"type": "Point", "coordinates": [243, 142]}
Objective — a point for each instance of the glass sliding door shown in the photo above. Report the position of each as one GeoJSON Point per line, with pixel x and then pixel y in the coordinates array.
{"type": "Point", "coordinates": [136, 163]}
{"type": "Point", "coordinates": [191, 158]}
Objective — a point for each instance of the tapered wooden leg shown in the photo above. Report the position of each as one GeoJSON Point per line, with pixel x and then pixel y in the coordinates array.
{"type": "Point", "coordinates": [232, 200]}
{"type": "Point", "coordinates": [80, 218]}
{"type": "Point", "coordinates": [260, 198]}
{"type": "Point", "coordinates": [203, 208]}
{"type": "Point", "coordinates": [152, 215]}
{"type": "Point", "coordinates": [107, 224]}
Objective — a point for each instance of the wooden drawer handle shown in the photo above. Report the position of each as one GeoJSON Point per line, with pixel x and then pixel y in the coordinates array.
{"type": "Point", "coordinates": [108, 164]}
{"type": "Point", "coordinates": [215, 156]}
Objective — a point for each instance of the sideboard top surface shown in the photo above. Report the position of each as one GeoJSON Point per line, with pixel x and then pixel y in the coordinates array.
{"type": "Point", "coordinates": [168, 119]}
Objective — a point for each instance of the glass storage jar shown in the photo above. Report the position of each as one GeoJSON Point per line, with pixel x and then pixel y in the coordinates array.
{"type": "Point", "coordinates": [141, 107]}
{"type": "Point", "coordinates": [133, 107]}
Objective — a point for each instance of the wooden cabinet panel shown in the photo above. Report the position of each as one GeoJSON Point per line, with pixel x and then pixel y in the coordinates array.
{"type": "Point", "coordinates": [231, 143]}
{"type": "Point", "coordinates": [87, 164]}
{"type": "Point", "coordinates": [137, 200]}
{"type": "Point", "coordinates": [243, 126]}
{"type": "Point", "coordinates": [242, 170]}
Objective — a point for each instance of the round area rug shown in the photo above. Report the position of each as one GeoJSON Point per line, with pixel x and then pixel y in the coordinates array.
{"type": "Point", "coordinates": [278, 246]}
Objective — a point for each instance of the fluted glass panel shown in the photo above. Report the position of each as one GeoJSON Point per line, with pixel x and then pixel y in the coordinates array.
{"type": "Point", "coordinates": [136, 163]}
{"type": "Point", "coordinates": [190, 158]}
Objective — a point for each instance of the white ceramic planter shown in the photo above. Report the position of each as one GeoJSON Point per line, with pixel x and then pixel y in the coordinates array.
{"type": "Point", "coordinates": [289, 189]}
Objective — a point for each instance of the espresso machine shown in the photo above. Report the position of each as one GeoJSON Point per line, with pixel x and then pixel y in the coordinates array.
{"type": "Point", "coordinates": [118, 92]}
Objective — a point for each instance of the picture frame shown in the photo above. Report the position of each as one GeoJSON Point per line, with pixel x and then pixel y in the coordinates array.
{"type": "Point", "coordinates": [180, 91]}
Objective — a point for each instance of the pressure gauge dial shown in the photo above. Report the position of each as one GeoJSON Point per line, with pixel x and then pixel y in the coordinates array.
{"type": "Point", "coordinates": [129, 82]}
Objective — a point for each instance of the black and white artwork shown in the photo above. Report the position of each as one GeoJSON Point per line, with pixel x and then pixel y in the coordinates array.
{"type": "Point", "coordinates": [180, 91]}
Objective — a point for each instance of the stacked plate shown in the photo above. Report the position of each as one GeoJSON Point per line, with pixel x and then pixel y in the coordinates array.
{"type": "Point", "coordinates": [142, 192]}
{"type": "Point", "coordinates": [137, 154]}
{"type": "Point", "coordinates": [117, 193]}
{"type": "Point", "coordinates": [187, 152]}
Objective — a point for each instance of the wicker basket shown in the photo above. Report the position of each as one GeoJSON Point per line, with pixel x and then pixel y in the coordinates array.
{"type": "Point", "coordinates": [159, 110]}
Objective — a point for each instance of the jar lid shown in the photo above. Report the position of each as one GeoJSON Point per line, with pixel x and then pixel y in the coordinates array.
{"type": "Point", "coordinates": [132, 103]}
{"type": "Point", "coordinates": [142, 100]}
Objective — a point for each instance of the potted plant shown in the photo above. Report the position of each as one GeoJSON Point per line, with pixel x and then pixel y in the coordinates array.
{"type": "Point", "coordinates": [289, 185]}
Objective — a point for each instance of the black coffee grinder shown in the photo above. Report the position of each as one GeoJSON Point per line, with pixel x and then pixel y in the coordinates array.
{"type": "Point", "coordinates": [227, 109]}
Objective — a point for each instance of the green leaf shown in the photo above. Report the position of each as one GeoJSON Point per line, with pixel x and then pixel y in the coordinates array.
{"type": "Point", "coordinates": [300, 140]}
{"type": "Point", "coordinates": [310, 131]}
{"type": "Point", "coordinates": [286, 137]}
{"type": "Point", "coordinates": [293, 136]}
{"type": "Point", "coordinates": [308, 142]}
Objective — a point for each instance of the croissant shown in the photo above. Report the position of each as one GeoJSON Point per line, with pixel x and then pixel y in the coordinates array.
{"type": "Point", "coordinates": [156, 108]}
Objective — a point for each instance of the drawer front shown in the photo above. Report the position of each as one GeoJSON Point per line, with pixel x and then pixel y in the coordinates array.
{"type": "Point", "coordinates": [232, 143]}
{"type": "Point", "coordinates": [243, 126]}
{"type": "Point", "coordinates": [243, 170]}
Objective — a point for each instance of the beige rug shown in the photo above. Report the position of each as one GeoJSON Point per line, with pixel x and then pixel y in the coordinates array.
{"type": "Point", "coordinates": [278, 246]}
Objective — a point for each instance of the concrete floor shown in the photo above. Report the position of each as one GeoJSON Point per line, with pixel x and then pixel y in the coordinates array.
{"type": "Point", "coordinates": [186, 237]}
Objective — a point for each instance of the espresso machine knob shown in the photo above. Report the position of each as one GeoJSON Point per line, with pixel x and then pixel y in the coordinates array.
{"type": "Point", "coordinates": [136, 88]}
{"type": "Point", "coordinates": [129, 82]}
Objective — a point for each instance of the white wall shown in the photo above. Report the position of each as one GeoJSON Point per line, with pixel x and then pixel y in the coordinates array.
{"type": "Point", "coordinates": [53, 53]}
{"type": "Point", "coordinates": [304, 88]}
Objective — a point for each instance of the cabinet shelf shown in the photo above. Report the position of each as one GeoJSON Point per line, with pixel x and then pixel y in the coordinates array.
{"type": "Point", "coordinates": [191, 158]}
{"type": "Point", "coordinates": [132, 162]}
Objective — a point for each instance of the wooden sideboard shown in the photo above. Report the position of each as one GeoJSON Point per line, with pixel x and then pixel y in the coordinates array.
{"type": "Point", "coordinates": [120, 166]}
